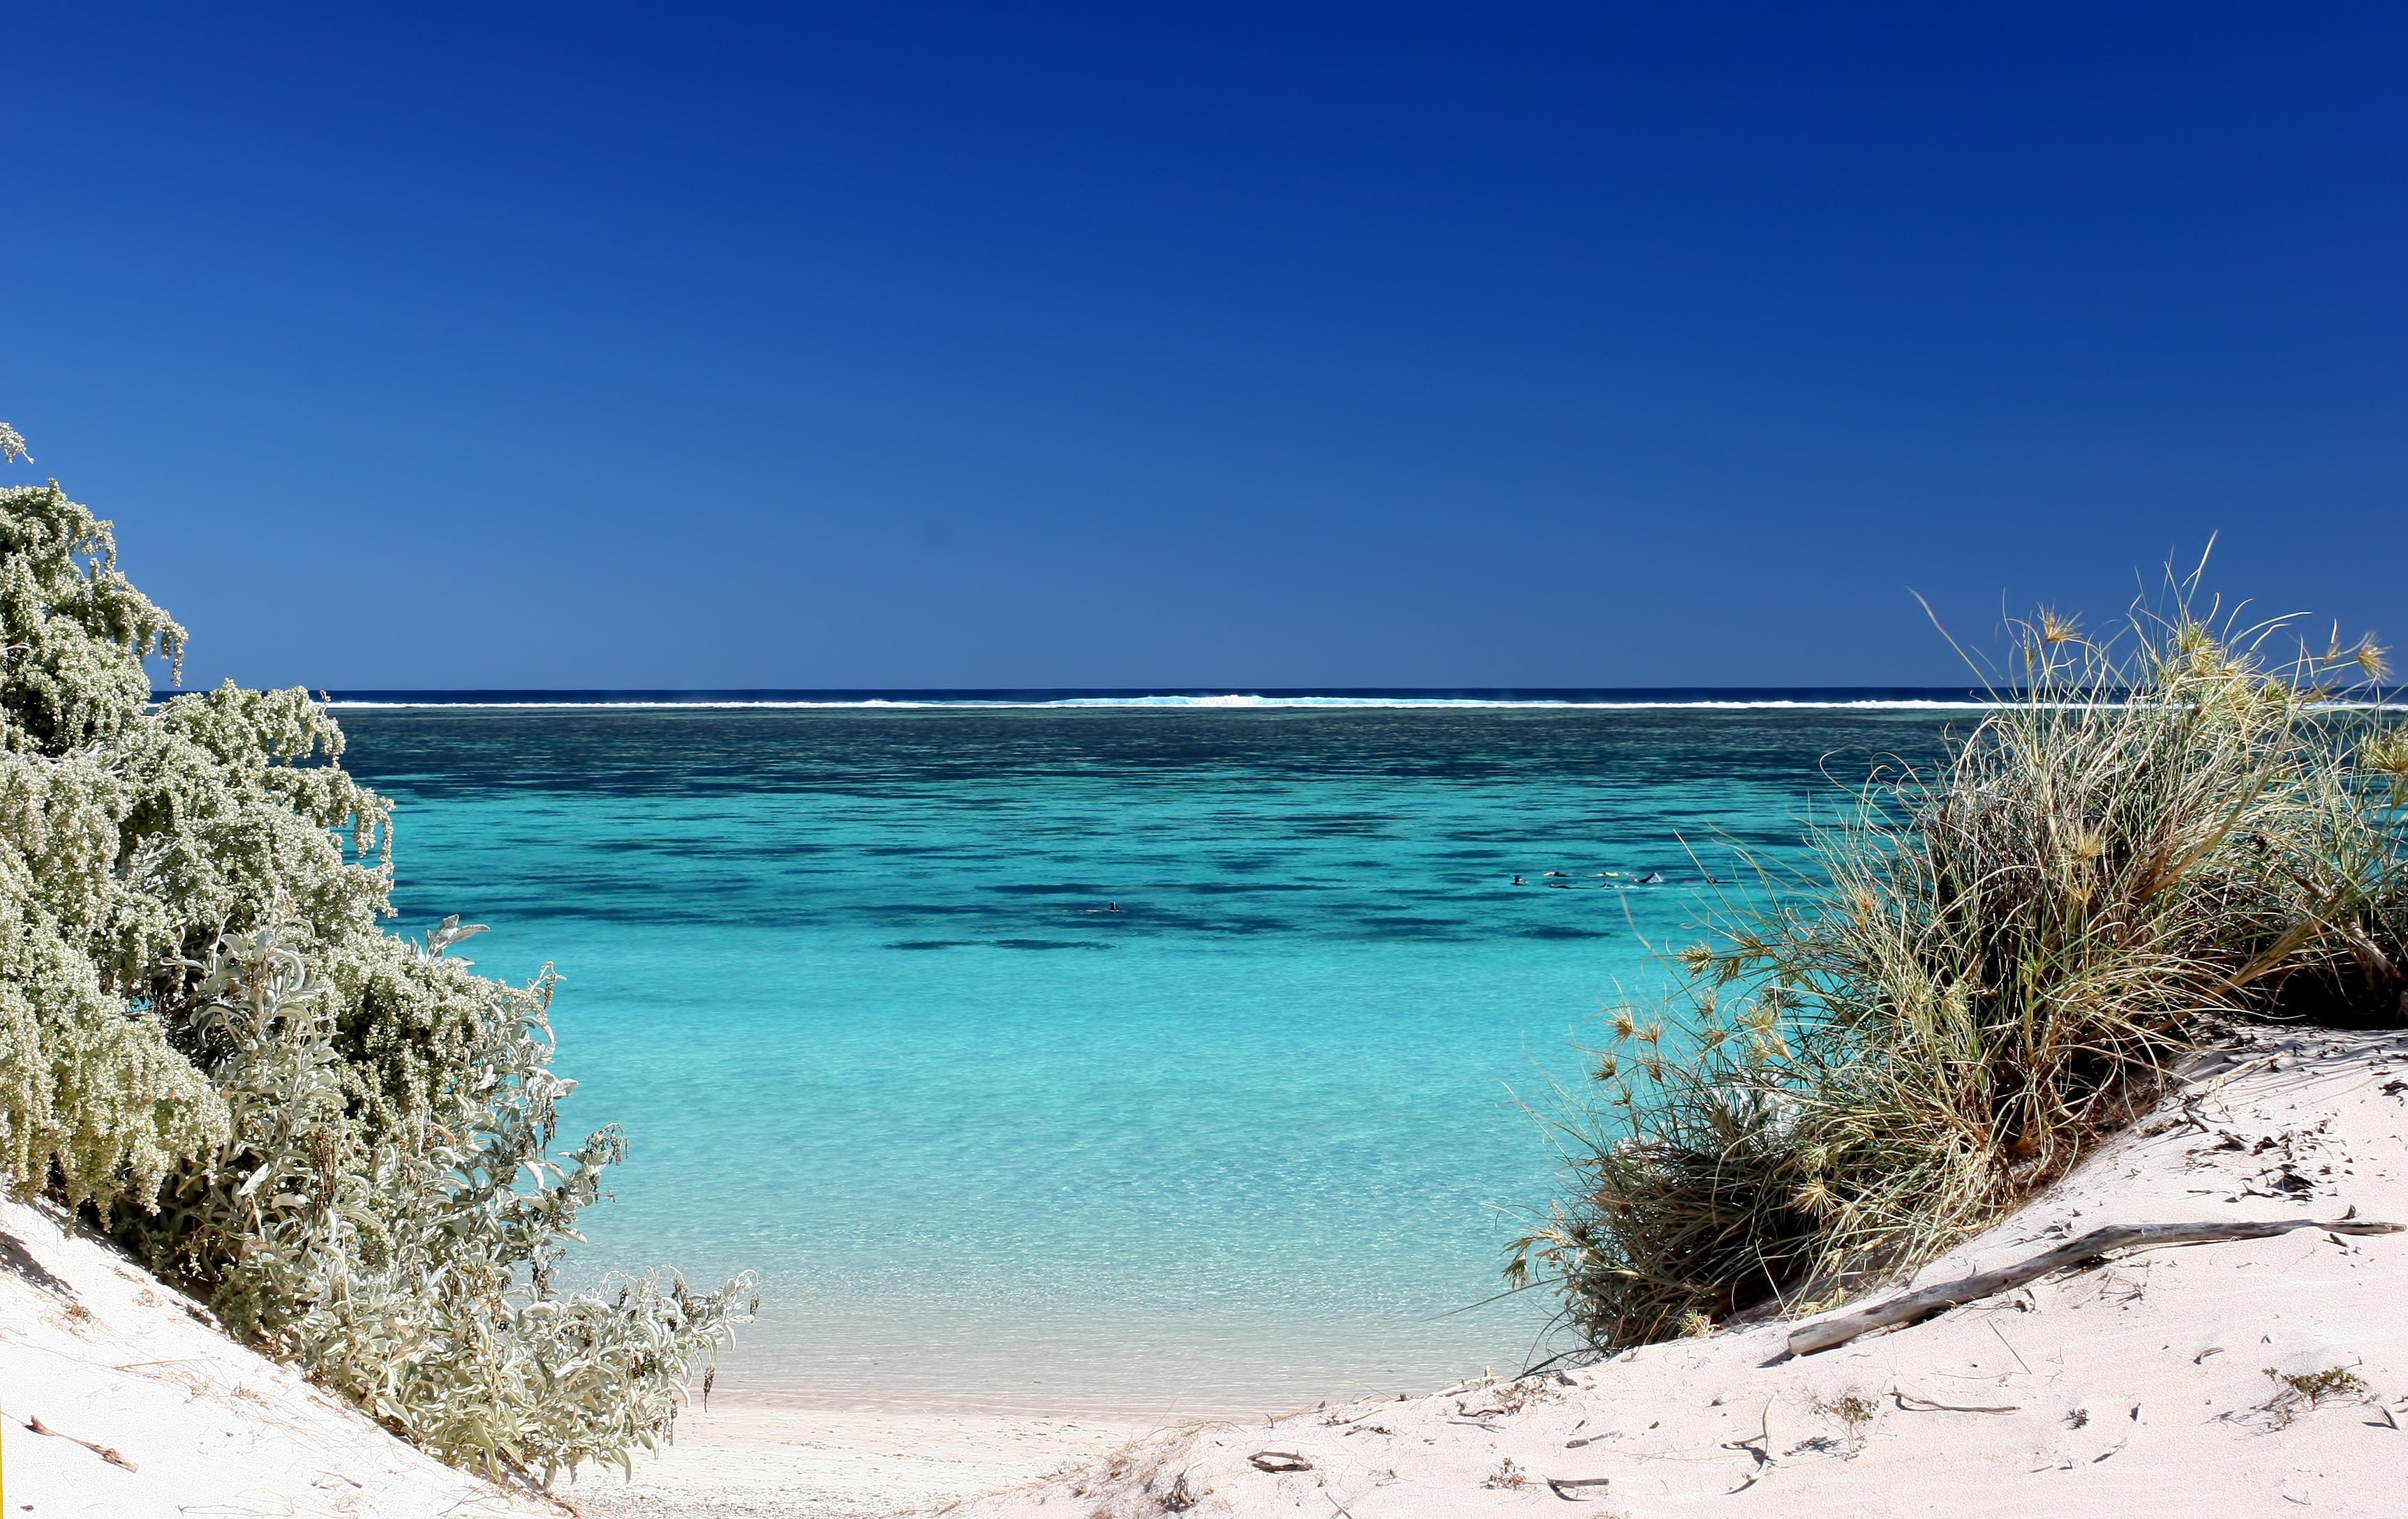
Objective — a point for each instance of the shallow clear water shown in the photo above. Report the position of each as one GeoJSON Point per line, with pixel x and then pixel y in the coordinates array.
{"type": "Point", "coordinates": [849, 978]}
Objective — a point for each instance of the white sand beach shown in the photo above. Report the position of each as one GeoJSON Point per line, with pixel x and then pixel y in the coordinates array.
{"type": "Point", "coordinates": [772, 1458]}
{"type": "Point", "coordinates": [2137, 1387]}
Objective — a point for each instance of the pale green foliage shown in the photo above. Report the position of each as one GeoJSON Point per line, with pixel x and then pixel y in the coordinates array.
{"type": "Point", "coordinates": [76, 631]}
{"type": "Point", "coordinates": [1988, 967]}
{"type": "Point", "coordinates": [413, 1270]}
{"type": "Point", "coordinates": [85, 1081]}
{"type": "Point", "coordinates": [340, 1139]}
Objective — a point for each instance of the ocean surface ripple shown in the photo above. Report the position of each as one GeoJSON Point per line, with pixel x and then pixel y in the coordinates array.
{"type": "Point", "coordinates": [1061, 1059]}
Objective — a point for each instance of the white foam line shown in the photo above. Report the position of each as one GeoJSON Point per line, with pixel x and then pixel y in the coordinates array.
{"type": "Point", "coordinates": [1182, 704]}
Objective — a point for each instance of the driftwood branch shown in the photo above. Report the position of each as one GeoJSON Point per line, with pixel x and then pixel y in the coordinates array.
{"type": "Point", "coordinates": [1912, 1307]}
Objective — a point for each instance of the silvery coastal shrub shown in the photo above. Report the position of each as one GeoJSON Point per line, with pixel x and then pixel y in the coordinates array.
{"type": "Point", "coordinates": [340, 1138]}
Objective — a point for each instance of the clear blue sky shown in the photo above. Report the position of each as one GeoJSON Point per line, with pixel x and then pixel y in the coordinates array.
{"type": "Point", "coordinates": [901, 345]}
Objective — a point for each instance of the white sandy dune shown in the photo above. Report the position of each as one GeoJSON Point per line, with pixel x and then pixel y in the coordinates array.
{"type": "Point", "coordinates": [154, 1412]}
{"type": "Point", "coordinates": [112, 1361]}
{"type": "Point", "coordinates": [2136, 1388]}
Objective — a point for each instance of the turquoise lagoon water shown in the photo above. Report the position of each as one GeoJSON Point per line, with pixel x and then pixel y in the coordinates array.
{"type": "Point", "coordinates": [849, 978]}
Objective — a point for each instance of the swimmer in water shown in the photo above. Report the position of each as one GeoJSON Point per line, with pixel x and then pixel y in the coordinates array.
{"type": "Point", "coordinates": [1652, 879]}
{"type": "Point", "coordinates": [1111, 907]}
{"type": "Point", "coordinates": [1519, 882]}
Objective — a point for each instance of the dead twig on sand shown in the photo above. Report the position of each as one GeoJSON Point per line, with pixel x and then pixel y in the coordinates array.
{"type": "Point", "coordinates": [1913, 1307]}
{"type": "Point", "coordinates": [108, 1454]}
{"type": "Point", "coordinates": [1759, 1446]}
{"type": "Point", "coordinates": [1909, 1403]}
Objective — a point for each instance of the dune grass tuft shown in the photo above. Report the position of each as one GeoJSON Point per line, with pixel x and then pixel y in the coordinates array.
{"type": "Point", "coordinates": [1986, 968]}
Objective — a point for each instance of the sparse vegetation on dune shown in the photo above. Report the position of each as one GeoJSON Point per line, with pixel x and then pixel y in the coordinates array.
{"type": "Point", "coordinates": [340, 1139]}
{"type": "Point", "coordinates": [1986, 968]}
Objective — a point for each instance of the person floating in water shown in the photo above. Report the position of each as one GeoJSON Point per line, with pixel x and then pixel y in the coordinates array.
{"type": "Point", "coordinates": [1519, 882]}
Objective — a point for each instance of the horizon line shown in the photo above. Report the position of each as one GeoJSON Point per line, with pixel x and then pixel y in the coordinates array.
{"type": "Point", "coordinates": [1210, 698]}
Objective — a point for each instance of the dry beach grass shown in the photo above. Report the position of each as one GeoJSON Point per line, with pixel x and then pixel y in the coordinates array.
{"type": "Point", "coordinates": [1984, 971]}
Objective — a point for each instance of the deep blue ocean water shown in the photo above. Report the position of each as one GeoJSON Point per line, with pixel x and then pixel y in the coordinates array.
{"type": "Point", "coordinates": [851, 977]}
